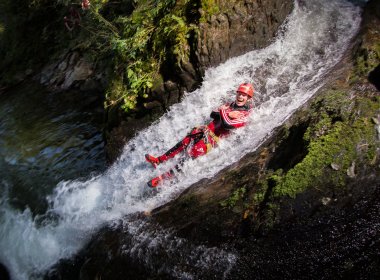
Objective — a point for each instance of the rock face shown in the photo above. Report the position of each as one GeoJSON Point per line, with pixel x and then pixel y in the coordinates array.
{"type": "Point", "coordinates": [72, 70]}
{"type": "Point", "coordinates": [234, 29]}
{"type": "Point", "coordinates": [241, 26]}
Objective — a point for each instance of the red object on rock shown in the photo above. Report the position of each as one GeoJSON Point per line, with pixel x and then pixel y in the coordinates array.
{"type": "Point", "coordinates": [86, 4]}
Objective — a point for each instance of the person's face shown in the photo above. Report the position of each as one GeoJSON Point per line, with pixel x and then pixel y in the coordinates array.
{"type": "Point", "coordinates": [241, 98]}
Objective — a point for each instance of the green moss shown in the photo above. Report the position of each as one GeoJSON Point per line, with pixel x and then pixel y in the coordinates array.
{"type": "Point", "coordinates": [367, 56]}
{"type": "Point", "coordinates": [322, 127]}
{"type": "Point", "coordinates": [158, 80]}
{"type": "Point", "coordinates": [271, 214]}
{"type": "Point", "coordinates": [368, 59]}
{"type": "Point", "coordinates": [208, 9]}
{"type": "Point", "coordinates": [259, 196]}
{"type": "Point", "coordinates": [265, 185]}
{"type": "Point", "coordinates": [341, 144]}
{"type": "Point", "coordinates": [237, 195]}
{"type": "Point", "coordinates": [173, 31]}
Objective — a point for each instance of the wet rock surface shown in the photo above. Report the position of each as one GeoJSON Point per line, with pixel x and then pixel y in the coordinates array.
{"type": "Point", "coordinates": [334, 243]}
{"type": "Point", "coordinates": [241, 26]}
{"type": "Point", "coordinates": [70, 71]}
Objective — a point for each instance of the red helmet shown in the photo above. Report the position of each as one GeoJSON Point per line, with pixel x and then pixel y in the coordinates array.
{"type": "Point", "coordinates": [246, 88]}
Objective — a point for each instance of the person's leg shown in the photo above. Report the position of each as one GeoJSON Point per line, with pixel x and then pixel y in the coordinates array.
{"type": "Point", "coordinates": [198, 148]}
{"type": "Point", "coordinates": [178, 148]}
{"type": "Point", "coordinates": [158, 180]}
{"type": "Point", "coordinates": [194, 136]}
{"type": "Point", "coordinates": [167, 175]}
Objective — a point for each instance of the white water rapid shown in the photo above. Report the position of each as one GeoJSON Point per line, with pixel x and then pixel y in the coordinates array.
{"type": "Point", "coordinates": [285, 74]}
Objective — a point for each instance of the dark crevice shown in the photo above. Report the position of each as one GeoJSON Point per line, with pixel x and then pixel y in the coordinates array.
{"type": "Point", "coordinates": [336, 119]}
{"type": "Point", "coordinates": [263, 207]}
{"type": "Point", "coordinates": [4, 274]}
{"type": "Point", "coordinates": [292, 149]}
{"type": "Point", "coordinates": [374, 77]}
{"type": "Point", "coordinates": [113, 9]}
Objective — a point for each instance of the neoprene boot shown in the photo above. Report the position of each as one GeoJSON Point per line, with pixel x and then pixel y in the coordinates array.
{"type": "Point", "coordinates": [158, 180]}
{"type": "Point", "coordinates": [152, 160]}
{"type": "Point", "coordinates": [155, 181]}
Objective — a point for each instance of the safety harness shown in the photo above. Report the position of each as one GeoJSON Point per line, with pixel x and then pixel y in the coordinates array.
{"type": "Point", "coordinates": [202, 132]}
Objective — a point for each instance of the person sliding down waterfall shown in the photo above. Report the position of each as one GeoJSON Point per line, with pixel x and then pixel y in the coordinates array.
{"type": "Point", "coordinates": [203, 138]}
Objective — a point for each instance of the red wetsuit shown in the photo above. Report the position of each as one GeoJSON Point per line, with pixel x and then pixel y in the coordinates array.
{"type": "Point", "coordinates": [203, 138]}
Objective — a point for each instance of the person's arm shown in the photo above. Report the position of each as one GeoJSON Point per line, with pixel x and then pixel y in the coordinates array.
{"type": "Point", "coordinates": [233, 119]}
{"type": "Point", "coordinates": [215, 115]}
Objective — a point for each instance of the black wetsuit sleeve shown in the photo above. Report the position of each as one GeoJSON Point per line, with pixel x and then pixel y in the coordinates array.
{"type": "Point", "coordinates": [215, 115]}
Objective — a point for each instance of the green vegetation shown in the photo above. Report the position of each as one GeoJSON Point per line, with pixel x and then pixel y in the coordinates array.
{"type": "Point", "coordinates": [369, 59]}
{"type": "Point", "coordinates": [136, 39]}
{"type": "Point", "coordinates": [237, 195]}
{"type": "Point", "coordinates": [367, 56]}
{"type": "Point", "coordinates": [154, 34]}
{"type": "Point", "coordinates": [209, 8]}
{"type": "Point", "coordinates": [339, 143]}
{"type": "Point", "coordinates": [337, 147]}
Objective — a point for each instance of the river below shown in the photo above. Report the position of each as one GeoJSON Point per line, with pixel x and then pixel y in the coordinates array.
{"type": "Point", "coordinates": [47, 137]}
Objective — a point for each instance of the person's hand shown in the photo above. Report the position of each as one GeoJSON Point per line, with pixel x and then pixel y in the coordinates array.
{"type": "Point", "coordinates": [235, 115]}
{"type": "Point", "coordinates": [223, 107]}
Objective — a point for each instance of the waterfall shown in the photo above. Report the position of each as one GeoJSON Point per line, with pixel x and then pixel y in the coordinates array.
{"type": "Point", "coordinates": [285, 75]}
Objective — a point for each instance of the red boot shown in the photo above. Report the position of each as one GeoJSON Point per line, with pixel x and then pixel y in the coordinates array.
{"type": "Point", "coordinates": [152, 160]}
{"type": "Point", "coordinates": [155, 181]}
{"type": "Point", "coordinates": [158, 180]}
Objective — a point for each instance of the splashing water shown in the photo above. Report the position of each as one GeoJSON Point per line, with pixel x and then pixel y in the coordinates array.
{"type": "Point", "coordinates": [285, 74]}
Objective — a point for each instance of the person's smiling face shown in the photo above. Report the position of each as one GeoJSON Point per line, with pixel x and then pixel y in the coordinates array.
{"type": "Point", "coordinates": [241, 98]}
